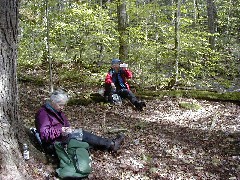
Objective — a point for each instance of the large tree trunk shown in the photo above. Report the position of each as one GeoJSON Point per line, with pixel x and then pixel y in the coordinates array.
{"type": "Point", "coordinates": [11, 162]}
{"type": "Point", "coordinates": [122, 28]}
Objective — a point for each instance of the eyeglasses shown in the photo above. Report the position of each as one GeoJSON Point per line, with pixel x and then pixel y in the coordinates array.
{"type": "Point", "coordinates": [61, 105]}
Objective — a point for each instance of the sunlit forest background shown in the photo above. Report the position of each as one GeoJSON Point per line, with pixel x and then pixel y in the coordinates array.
{"type": "Point", "coordinates": [167, 44]}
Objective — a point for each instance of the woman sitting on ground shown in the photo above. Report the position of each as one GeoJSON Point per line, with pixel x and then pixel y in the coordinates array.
{"type": "Point", "coordinates": [52, 125]}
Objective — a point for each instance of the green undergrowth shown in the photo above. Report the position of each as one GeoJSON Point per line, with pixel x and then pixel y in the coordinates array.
{"type": "Point", "coordinates": [85, 99]}
{"type": "Point", "coordinates": [228, 96]}
{"type": "Point", "coordinates": [39, 81]}
{"type": "Point", "coordinates": [73, 78]}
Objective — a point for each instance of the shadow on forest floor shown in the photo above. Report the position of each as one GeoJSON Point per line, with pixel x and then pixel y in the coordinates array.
{"type": "Point", "coordinates": [163, 142]}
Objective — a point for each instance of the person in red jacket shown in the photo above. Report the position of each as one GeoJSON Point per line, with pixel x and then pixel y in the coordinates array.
{"type": "Point", "coordinates": [116, 82]}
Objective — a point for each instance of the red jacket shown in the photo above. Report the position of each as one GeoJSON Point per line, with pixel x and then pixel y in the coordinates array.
{"type": "Point", "coordinates": [111, 77]}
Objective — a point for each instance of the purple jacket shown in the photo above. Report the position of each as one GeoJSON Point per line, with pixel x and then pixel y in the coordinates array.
{"type": "Point", "coordinates": [49, 124]}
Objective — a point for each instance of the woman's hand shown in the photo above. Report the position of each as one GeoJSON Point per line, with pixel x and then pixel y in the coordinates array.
{"type": "Point", "coordinates": [66, 131]}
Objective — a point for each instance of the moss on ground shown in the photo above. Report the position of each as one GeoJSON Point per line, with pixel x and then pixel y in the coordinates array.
{"type": "Point", "coordinates": [189, 105]}
{"type": "Point", "coordinates": [228, 96]}
{"type": "Point", "coordinates": [143, 94]}
{"type": "Point", "coordinates": [31, 79]}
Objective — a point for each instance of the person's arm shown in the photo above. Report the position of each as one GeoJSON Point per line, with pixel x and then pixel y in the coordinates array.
{"type": "Point", "coordinates": [127, 73]}
{"type": "Point", "coordinates": [108, 79]}
{"type": "Point", "coordinates": [47, 131]}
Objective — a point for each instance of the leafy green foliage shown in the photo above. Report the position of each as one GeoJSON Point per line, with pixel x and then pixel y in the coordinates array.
{"type": "Point", "coordinates": [86, 35]}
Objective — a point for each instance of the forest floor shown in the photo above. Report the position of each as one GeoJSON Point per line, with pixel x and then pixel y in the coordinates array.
{"type": "Point", "coordinates": [165, 141]}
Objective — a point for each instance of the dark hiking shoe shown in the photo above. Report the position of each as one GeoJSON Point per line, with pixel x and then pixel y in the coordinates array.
{"type": "Point", "coordinates": [140, 105]}
{"type": "Point", "coordinates": [143, 104]}
{"type": "Point", "coordinates": [117, 142]}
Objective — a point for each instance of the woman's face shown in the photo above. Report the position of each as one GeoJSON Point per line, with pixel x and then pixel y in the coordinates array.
{"type": "Point", "coordinates": [58, 106]}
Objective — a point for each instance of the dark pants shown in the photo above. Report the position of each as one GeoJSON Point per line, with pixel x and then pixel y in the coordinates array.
{"type": "Point", "coordinates": [123, 93]}
{"type": "Point", "coordinates": [93, 140]}
{"type": "Point", "coordinates": [96, 141]}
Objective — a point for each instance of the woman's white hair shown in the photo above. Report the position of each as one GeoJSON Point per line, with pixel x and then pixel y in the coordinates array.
{"type": "Point", "coordinates": [59, 96]}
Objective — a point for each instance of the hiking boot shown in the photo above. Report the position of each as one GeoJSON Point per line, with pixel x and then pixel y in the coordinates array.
{"type": "Point", "coordinates": [143, 104]}
{"type": "Point", "coordinates": [116, 143]}
{"type": "Point", "coordinates": [140, 105]}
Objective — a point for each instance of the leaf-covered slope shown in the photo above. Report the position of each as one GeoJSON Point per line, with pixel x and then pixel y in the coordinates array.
{"type": "Point", "coordinates": [166, 141]}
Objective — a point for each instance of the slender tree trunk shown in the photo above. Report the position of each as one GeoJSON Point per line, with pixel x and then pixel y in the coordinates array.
{"type": "Point", "coordinates": [173, 12]}
{"type": "Point", "coordinates": [99, 45]}
{"type": "Point", "coordinates": [122, 28]}
{"type": "Point", "coordinates": [157, 51]}
{"type": "Point", "coordinates": [195, 12]}
{"type": "Point", "coordinates": [212, 16]}
{"type": "Point", "coordinates": [228, 31]}
{"type": "Point", "coordinates": [10, 157]}
{"type": "Point", "coordinates": [177, 37]}
{"type": "Point", "coordinates": [49, 59]}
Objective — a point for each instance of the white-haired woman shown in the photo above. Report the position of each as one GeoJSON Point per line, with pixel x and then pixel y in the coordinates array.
{"type": "Point", "coordinates": [52, 125]}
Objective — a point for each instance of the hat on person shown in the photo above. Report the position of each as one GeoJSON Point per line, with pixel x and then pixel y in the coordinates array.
{"type": "Point", "coordinates": [116, 61]}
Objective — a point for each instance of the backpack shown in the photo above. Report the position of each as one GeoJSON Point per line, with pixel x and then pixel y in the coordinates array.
{"type": "Point", "coordinates": [75, 161]}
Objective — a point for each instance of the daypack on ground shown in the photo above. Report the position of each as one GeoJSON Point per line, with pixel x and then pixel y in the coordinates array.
{"type": "Point", "coordinates": [75, 160]}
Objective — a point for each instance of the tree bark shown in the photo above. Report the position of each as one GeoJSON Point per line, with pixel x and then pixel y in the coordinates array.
{"type": "Point", "coordinates": [11, 162]}
{"type": "Point", "coordinates": [212, 25]}
{"type": "Point", "coordinates": [177, 38]}
{"type": "Point", "coordinates": [195, 12]}
{"type": "Point", "coordinates": [122, 28]}
{"type": "Point", "coordinates": [49, 59]}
